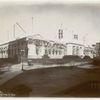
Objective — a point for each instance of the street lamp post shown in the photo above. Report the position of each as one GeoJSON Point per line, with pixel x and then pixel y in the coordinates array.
{"type": "Point", "coordinates": [22, 54]}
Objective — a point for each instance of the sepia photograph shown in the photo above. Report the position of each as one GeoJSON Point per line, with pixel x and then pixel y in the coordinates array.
{"type": "Point", "coordinates": [49, 49]}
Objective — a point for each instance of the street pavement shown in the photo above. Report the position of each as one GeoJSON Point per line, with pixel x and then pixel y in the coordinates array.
{"type": "Point", "coordinates": [14, 70]}
{"type": "Point", "coordinates": [58, 81]}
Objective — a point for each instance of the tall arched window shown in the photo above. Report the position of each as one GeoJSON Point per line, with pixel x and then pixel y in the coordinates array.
{"type": "Point", "coordinates": [77, 50]}
{"type": "Point", "coordinates": [37, 50]}
{"type": "Point", "coordinates": [73, 50]}
{"type": "Point", "coordinates": [49, 51]}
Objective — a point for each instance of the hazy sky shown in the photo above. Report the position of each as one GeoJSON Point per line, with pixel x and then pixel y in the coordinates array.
{"type": "Point", "coordinates": [81, 19]}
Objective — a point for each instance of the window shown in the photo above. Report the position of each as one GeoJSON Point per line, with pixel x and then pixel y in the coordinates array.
{"type": "Point", "coordinates": [77, 50]}
{"type": "Point", "coordinates": [1, 51]}
{"type": "Point", "coordinates": [22, 43]}
{"type": "Point", "coordinates": [53, 51]}
{"type": "Point", "coordinates": [75, 36]}
{"type": "Point", "coordinates": [60, 34]}
{"type": "Point", "coordinates": [60, 52]}
{"type": "Point", "coordinates": [46, 52]}
{"type": "Point", "coordinates": [15, 52]}
{"type": "Point", "coordinates": [49, 51]}
{"type": "Point", "coordinates": [12, 51]}
{"type": "Point", "coordinates": [73, 50]}
{"type": "Point", "coordinates": [9, 52]}
{"type": "Point", "coordinates": [4, 51]}
{"type": "Point", "coordinates": [56, 52]}
{"type": "Point", "coordinates": [37, 50]}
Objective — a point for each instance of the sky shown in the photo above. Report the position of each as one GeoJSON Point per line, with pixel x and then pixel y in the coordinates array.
{"type": "Point", "coordinates": [82, 19]}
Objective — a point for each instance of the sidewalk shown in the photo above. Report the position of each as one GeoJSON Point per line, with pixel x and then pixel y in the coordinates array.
{"type": "Point", "coordinates": [9, 73]}
{"type": "Point", "coordinates": [14, 70]}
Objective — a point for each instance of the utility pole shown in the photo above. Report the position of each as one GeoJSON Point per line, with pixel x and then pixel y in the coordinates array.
{"type": "Point", "coordinates": [7, 35]}
{"type": "Point", "coordinates": [22, 58]}
{"type": "Point", "coordinates": [32, 25]}
{"type": "Point", "coordinates": [14, 31]}
{"type": "Point", "coordinates": [84, 39]}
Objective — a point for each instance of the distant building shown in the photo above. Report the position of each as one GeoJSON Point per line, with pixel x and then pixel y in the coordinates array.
{"type": "Point", "coordinates": [94, 50]}
{"type": "Point", "coordinates": [89, 51]}
{"type": "Point", "coordinates": [97, 49]}
{"type": "Point", "coordinates": [4, 50]}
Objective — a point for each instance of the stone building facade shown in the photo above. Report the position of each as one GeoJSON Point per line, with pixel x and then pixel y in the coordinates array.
{"type": "Point", "coordinates": [35, 47]}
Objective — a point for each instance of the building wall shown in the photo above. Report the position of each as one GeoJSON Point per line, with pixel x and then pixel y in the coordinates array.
{"type": "Point", "coordinates": [38, 48]}
{"type": "Point", "coordinates": [75, 49]}
{"type": "Point", "coordinates": [97, 49]}
{"type": "Point", "coordinates": [31, 51]}
{"type": "Point", "coordinates": [18, 48]}
{"type": "Point", "coordinates": [56, 51]}
{"type": "Point", "coordinates": [88, 51]}
{"type": "Point", "coordinates": [69, 49]}
{"type": "Point", "coordinates": [4, 51]}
